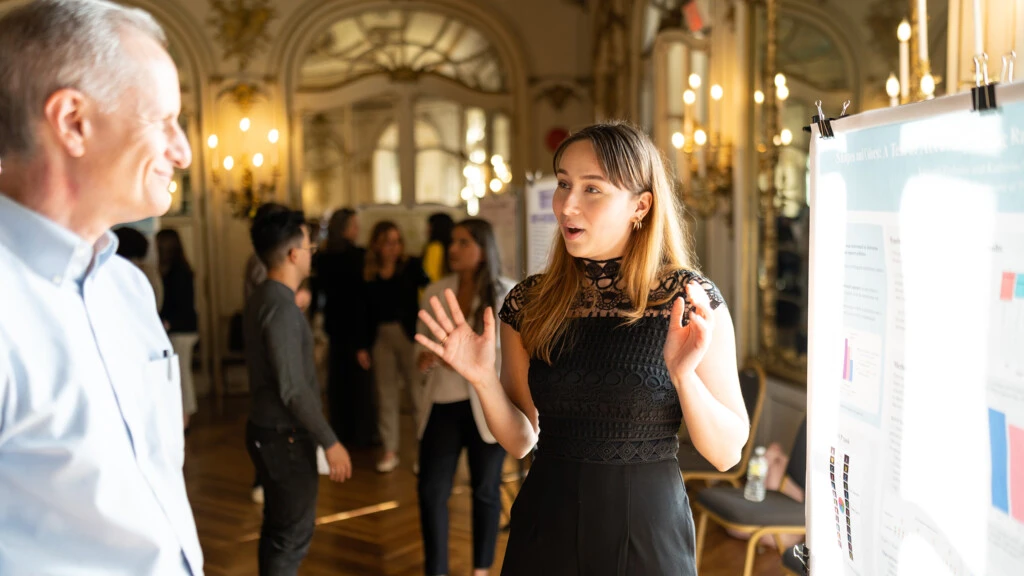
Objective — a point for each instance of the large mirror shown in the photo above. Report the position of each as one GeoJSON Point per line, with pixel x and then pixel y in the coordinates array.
{"type": "Point", "coordinates": [806, 54]}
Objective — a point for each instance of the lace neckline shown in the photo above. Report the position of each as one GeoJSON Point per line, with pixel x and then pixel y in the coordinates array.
{"type": "Point", "coordinates": [603, 273]}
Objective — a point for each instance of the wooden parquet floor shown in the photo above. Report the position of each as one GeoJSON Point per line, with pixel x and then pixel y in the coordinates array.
{"type": "Point", "coordinates": [367, 526]}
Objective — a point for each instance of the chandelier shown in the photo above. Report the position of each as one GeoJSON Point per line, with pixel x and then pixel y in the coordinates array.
{"type": "Point", "coordinates": [916, 73]}
{"type": "Point", "coordinates": [705, 159]}
{"type": "Point", "coordinates": [248, 173]}
{"type": "Point", "coordinates": [481, 175]}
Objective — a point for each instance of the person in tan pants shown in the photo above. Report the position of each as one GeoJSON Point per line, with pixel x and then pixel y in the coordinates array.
{"type": "Point", "coordinates": [393, 283]}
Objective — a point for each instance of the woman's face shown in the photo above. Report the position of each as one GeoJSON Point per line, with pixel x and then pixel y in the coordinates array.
{"type": "Point", "coordinates": [351, 232]}
{"type": "Point", "coordinates": [390, 246]}
{"type": "Point", "coordinates": [595, 217]}
{"type": "Point", "coordinates": [164, 249]}
{"type": "Point", "coordinates": [464, 255]}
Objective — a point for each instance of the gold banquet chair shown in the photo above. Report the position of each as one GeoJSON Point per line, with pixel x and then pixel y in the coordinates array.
{"type": "Point", "coordinates": [778, 514]}
{"type": "Point", "coordinates": [695, 467]}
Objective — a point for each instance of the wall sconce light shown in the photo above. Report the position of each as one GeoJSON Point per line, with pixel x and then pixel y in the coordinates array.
{"type": "Point", "coordinates": [705, 163]}
{"type": "Point", "coordinates": [249, 172]}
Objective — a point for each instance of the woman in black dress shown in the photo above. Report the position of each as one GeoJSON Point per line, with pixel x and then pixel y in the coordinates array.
{"type": "Point", "coordinates": [178, 312]}
{"type": "Point", "coordinates": [603, 355]}
{"type": "Point", "coordinates": [339, 278]}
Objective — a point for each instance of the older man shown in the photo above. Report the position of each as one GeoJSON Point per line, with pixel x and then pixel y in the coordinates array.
{"type": "Point", "coordinates": [91, 445]}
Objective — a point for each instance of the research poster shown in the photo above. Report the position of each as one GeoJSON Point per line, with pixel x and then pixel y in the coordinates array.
{"type": "Point", "coordinates": [916, 361]}
{"type": "Point", "coordinates": [541, 224]}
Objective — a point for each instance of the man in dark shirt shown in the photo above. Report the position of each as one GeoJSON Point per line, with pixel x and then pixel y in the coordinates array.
{"type": "Point", "coordinates": [285, 420]}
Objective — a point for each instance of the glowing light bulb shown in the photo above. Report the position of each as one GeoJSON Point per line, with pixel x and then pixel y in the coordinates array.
{"type": "Point", "coordinates": [473, 206]}
{"type": "Point", "coordinates": [212, 141]}
{"type": "Point", "coordinates": [782, 92]}
{"type": "Point", "coordinates": [780, 79]}
{"type": "Point", "coordinates": [495, 185]}
{"type": "Point", "coordinates": [758, 97]}
{"type": "Point", "coordinates": [892, 86]}
{"type": "Point", "coordinates": [678, 140]}
{"type": "Point", "coordinates": [466, 193]}
{"type": "Point", "coordinates": [694, 81]}
{"type": "Point", "coordinates": [716, 92]}
{"type": "Point", "coordinates": [173, 187]}
{"type": "Point", "coordinates": [273, 136]}
{"type": "Point", "coordinates": [689, 97]}
{"type": "Point", "coordinates": [244, 125]}
{"type": "Point", "coordinates": [700, 137]}
{"type": "Point", "coordinates": [497, 160]}
{"type": "Point", "coordinates": [903, 31]}
{"type": "Point", "coordinates": [786, 137]}
{"type": "Point", "coordinates": [229, 163]}
{"type": "Point", "coordinates": [257, 159]}
{"type": "Point", "coordinates": [928, 85]}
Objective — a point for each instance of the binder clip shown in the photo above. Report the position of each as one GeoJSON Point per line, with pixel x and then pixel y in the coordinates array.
{"type": "Point", "coordinates": [983, 94]}
{"type": "Point", "coordinates": [824, 122]}
{"type": "Point", "coordinates": [1009, 61]}
{"type": "Point", "coordinates": [803, 554]}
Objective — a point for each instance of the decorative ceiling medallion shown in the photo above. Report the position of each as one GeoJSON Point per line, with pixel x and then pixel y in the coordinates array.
{"type": "Point", "coordinates": [242, 28]}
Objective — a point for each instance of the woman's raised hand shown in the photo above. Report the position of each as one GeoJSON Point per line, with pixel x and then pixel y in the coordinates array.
{"type": "Point", "coordinates": [470, 354]}
{"type": "Point", "coordinates": [685, 346]}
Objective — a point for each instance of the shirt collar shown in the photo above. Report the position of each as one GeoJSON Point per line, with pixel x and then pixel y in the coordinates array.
{"type": "Point", "coordinates": [47, 248]}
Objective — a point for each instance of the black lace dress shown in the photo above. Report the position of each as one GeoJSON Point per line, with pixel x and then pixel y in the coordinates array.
{"type": "Point", "coordinates": [604, 495]}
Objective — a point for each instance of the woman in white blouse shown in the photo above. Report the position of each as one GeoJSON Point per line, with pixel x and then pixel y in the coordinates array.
{"type": "Point", "coordinates": [451, 417]}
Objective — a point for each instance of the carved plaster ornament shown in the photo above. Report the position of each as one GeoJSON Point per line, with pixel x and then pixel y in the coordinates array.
{"type": "Point", "coordinates": [241, 27]}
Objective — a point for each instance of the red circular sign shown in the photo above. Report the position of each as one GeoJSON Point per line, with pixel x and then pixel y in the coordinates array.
{"type": "Point", "coordinates": [555, 137]}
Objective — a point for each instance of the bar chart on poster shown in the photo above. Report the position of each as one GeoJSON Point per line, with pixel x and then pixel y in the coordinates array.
{"type": "Point", "coordinates": [916, 362]}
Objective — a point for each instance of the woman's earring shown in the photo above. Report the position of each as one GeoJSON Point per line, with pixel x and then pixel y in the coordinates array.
{"type": "Point", "coordinates": [638, 224]}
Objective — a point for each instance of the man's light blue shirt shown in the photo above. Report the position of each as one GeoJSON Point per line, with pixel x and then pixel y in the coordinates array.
{"type": "Point", "coordinates": [91, 443]}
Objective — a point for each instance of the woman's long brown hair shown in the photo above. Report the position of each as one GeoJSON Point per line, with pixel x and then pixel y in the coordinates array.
{"type": "Point", "coordinates": [631, 162]}
{"type": "Point", "coordinates": [372, 267]}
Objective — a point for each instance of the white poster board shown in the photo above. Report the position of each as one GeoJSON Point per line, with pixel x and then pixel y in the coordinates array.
{"type": "Point", "coordinates": [916, 358]}
{"type": "Point", "coordinates": [541, 223]}
{"type": "Point", "coordinates": [502, 211]}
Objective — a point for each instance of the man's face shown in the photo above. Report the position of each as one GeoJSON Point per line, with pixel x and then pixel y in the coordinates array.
{"type": "Point", "coordinates": [133, 150]}
{"type": "Point", "coordinates": [304, 255]}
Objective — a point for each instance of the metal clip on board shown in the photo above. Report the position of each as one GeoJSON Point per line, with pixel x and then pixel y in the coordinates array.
{"type": "Point", "coordinates": [983, 94]}
{"type": "Point", "coordinates": [824, 122]}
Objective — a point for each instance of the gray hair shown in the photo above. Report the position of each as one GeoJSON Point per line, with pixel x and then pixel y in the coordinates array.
{"type": "Point", "coordinates": [49, 45]}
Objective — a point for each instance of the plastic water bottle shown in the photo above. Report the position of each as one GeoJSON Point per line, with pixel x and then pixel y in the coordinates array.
{"type": "Point", "coordinates": [757, 470]}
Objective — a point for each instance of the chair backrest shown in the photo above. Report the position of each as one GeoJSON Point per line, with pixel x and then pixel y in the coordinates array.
{"type": "Point", "coordinates": [797, 466]}
{"type": "Point", "coordinates": [753, 388]}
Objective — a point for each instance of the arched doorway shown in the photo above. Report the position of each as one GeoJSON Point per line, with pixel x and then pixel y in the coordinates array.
{"type": "Point", "coordinates": [414, 104]}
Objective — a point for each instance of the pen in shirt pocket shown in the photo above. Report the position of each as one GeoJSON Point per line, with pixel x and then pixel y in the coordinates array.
{"type": "Point", "coordinates": [170, 374]}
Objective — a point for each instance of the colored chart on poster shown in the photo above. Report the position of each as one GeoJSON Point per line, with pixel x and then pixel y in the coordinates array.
{"type": "Point", "coordinates": [916, 332]}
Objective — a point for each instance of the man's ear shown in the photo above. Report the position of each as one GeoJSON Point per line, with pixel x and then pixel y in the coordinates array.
{"type": "Point", "coordinates": [67, 115]}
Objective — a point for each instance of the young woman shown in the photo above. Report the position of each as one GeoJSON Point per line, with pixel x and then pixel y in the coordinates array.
{"type": "Point", "coordinates": [439, 238]}
{"type": "Point", "coordinates": [179, 311]}
{"type": "Point", "coordinates": [393, 283]}
{"type": "Point", "coordinates": [609, 349]}
{"type": "Point", "coordinates": [451, 417]}
{"type": "Point", "coordinates": [339, 271]}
